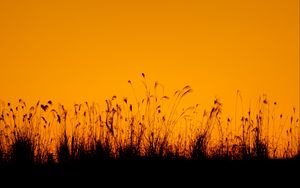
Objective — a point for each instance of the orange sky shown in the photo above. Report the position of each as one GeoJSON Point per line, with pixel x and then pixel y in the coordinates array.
{"type": "Point", "coordinates": [72, 51]}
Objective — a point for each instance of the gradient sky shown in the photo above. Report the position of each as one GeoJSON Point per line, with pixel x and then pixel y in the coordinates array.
{"type": "Point", "coordinates": [72, 51]}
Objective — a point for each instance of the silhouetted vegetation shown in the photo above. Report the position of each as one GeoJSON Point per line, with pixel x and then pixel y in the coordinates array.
{"type": "Point", "coordinates": [152, 128]}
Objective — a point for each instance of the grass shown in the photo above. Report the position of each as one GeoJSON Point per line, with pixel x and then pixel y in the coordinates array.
{"type": "Point", "coordinates": [151, 128]}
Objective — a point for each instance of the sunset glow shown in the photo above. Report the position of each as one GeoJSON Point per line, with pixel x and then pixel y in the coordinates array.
{"type": "Point", "coordinates": [238, 56]}
{"type": "Point", "coordinates": [72, 51]}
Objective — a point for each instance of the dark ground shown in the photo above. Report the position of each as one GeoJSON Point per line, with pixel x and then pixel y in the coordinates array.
{"type": "Point", "coordinates": [157, 173]}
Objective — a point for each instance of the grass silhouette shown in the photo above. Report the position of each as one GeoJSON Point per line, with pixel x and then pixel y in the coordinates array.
{"type": "Point", "coordinates": [151, 128]}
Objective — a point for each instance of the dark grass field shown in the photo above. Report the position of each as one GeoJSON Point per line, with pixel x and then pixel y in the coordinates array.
{"type": "Point", "coordinates": [48, 144]}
